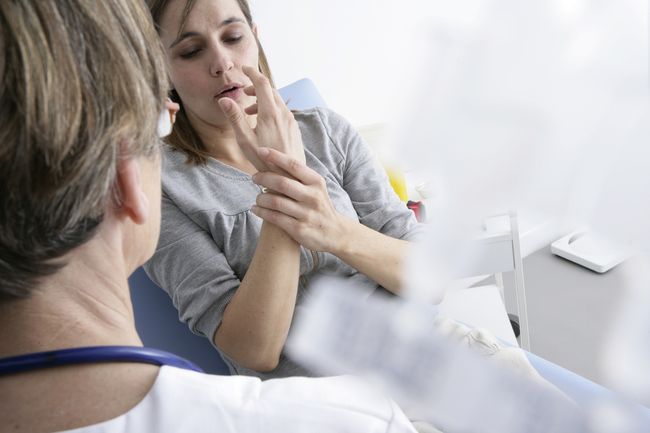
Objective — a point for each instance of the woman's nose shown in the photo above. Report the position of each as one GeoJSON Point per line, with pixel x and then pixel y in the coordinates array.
{"type": "Point", "coordinates": [221, 61]}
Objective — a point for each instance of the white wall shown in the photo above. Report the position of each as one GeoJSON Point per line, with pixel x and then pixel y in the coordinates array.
{"type": "Point", "coordinates": [358, 52]}
{"type": "Point", "coordinates": [336, 43]}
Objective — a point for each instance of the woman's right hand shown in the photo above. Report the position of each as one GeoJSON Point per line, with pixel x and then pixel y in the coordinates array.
{"type": "Point", "coordinates": [276, 127]}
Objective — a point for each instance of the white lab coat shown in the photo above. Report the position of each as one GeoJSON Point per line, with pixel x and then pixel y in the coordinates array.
{"type": "Point", "coordinates": [186, 401]}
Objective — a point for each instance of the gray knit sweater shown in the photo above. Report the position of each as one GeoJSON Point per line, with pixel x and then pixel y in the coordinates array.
{"type": "Point", "coordinates": [208, 234]}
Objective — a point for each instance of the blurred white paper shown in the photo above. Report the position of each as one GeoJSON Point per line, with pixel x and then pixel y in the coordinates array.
{"type": "Point", "coordinates": [424, 364]}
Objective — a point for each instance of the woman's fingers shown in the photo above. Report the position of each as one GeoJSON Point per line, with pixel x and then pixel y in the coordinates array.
{"type": "Point", "coordinates": [251, 109]}
{"type": "Point", "coordinates": [282, 185]}
{"type": "Point", "coordinates": [250, 90]}
{"type": "Point", "coordinates": [236, 119]}
{"type": "Point", "coordinates": [278, 99]}
{"type": "Point", "coordinates": [263, 89]}
{"type": "Point", "coordinates": [280, 203]}
{"type": "Point", "coordinates": [276, 218]}
{"type": "Point", "coordinates": [279, 102]}
{"type": "Point", "coordinates": [243, 133]}
{"type": "Point", "coordinates": [292, 166]}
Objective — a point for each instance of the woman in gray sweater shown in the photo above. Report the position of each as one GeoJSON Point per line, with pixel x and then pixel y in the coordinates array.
{"type": "Point", "coordinates": [257, 200]}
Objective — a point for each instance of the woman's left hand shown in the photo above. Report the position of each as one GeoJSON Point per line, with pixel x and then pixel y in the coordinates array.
{"type": "Point", "coordinates": [301, 205]}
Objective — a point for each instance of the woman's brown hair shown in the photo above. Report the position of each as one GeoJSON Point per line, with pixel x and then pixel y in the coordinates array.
{"type": "Point", "coordinates": [184, 137]}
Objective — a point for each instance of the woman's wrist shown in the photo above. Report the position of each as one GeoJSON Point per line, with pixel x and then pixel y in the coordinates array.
{"type": "Point", "coordinates": [275, 233]}
{"type": "Point", "coordinates": [343, 236]}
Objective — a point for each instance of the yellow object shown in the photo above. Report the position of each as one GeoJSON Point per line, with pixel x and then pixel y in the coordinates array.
{"type": "Point", "coordinates": [374, 135]}
{"type": "Point", "coordinates": [398, 182]}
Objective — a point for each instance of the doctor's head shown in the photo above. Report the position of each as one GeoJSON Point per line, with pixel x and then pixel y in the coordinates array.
{"type": "Point", "coordinates": [82, 84]}
{"type": "Point", "coordinates": [207, 43]}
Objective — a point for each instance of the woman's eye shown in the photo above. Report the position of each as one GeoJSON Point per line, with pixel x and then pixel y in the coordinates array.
{"type": "Point", "coordinates": [232, 39]}
{"type": "Point", "coordinates": [190, 53]}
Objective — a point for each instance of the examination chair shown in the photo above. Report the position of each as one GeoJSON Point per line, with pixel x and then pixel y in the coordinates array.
{"type": "Point", "coordinates": [159, 327]}
{"type": "Point", "coordinates": [157, 322]}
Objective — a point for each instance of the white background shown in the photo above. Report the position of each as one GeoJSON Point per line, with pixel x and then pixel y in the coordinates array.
{"type": "Point", "coordinates": [360, 53]}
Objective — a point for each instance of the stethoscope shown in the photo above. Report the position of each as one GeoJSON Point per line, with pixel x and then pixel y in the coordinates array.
{"type": "Point", "coordinates": [86, 355]}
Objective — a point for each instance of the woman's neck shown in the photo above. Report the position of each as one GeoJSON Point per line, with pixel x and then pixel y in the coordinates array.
{"type": "Point", "coordinates": [220, 142]}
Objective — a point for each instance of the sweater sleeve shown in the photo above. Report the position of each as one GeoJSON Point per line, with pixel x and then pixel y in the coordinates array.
{"type": "Point", "coordinates": [366, 182]}
{"type": "Point", "coordinates": [189, 265]}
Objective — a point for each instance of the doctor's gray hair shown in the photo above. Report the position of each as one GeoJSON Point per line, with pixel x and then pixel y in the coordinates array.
{"type": "Point", "coordinates": [82, 83]}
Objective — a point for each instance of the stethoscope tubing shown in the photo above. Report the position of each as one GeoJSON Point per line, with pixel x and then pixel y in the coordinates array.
{"type": "Point", "coordinates": [94, 354]}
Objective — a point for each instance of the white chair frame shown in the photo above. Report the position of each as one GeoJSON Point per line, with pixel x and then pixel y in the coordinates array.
{"type": "Point", "coordinates": [499, 251]}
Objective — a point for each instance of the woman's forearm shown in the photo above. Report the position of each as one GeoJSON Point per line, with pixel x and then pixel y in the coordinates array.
{"type": "Point", "coordinates": [302, 207]}
{"type": "Point", "coordinates": [256, 322]}
{"type": "Point", "coordinates": [372, 253]}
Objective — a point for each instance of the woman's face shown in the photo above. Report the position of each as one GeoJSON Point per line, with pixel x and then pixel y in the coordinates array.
{"type": "Point", "coordinates": [206, 58]}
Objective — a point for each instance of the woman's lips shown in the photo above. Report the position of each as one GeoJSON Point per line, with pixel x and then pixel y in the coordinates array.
{"type": "Point", "coordinates": [232, 94]}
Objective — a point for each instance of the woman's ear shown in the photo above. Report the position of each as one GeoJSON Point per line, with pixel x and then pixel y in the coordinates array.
{"type": "Point", "coordinates": [133, 203]}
